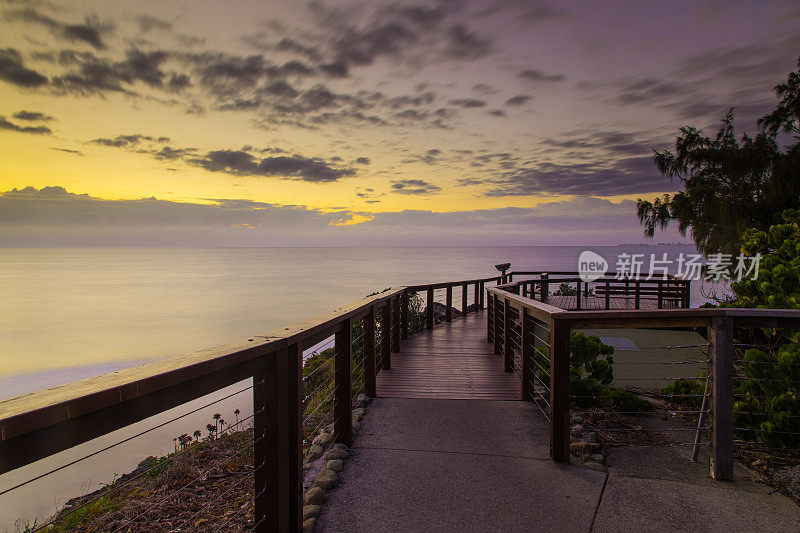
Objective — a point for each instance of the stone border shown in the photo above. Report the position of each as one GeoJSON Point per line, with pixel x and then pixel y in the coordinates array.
{"type": "Point", "coordinates": [324, 466]}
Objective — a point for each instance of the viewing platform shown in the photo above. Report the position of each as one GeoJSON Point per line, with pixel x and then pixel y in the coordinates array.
{"type": "Point", "coordinates": [455, 406]}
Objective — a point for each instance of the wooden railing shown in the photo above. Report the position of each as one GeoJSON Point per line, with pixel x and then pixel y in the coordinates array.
{"type": "Point", "coordinates": [556, 324]}
{"type": "Point", "coordinates": [666, 290]}
{"type": "Point", "coordinates": [40, 424]}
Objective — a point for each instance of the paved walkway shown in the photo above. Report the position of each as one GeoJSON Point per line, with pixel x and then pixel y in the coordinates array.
{"type": "Point", "coordinates": [424, 464]}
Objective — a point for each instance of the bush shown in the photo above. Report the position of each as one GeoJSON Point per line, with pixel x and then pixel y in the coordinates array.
{"type": "Point", "coordinates": [687, 392]}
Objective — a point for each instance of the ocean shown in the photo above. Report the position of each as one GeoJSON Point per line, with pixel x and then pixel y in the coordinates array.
{"type": "Point", "coordinates": [71, 313]}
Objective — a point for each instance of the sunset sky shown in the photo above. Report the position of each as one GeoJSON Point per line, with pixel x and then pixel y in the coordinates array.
{"type": "Point", "coordinates": [363, 123]}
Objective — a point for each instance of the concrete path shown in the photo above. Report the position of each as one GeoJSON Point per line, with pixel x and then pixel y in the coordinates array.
{"type": "Point", "coordinates": [480, 465]}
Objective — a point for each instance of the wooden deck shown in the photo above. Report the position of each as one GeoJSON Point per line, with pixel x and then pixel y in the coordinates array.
{"type": "Point", "coordinates": [453, 361]}
{"type": "Point", "coordinates": [616, 303]}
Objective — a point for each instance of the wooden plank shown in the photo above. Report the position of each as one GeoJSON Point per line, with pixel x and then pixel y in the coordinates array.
{"type": "Point", "coordinates": [559, 391]}
{"type": "Point", "coordinates": [369, 353]}
{"type": "Point", "coordinates": [288, 442]}
{"type": "Point", "coordinates": [386, 347]}
{"type": "Point", "coordinates": [721, 454]}
{"type": "Point", "coordinates": [429, 309]}
{"type": "Point", "coordinates": [448, 312]}
{"type": "Point", "coordinates": [526, 358]}
{"type": "Point", "coordinates": [343, 392]}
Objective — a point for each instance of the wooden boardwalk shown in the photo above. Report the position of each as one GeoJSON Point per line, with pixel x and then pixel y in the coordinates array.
{"type": "Point", "coordinates": [453, 361]}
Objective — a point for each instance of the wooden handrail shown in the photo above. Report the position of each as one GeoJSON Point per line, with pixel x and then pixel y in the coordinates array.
{"type": "Point", "coordinates": [720, 321]}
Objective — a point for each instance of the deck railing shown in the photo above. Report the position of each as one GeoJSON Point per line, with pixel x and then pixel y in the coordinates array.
{"type": "Point", "coordinates": [43, 423]}
{"type": "Point", "coordinates": [518, 326]}
{"type": "Point", "coordinates": [666, 291]}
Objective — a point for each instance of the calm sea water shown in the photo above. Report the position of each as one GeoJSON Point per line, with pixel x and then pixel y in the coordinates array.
{"type": "Point", "coordinates": [67, 314]}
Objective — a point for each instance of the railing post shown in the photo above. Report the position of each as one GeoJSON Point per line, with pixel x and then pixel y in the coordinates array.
{"type": "Point", "coordinates": [404, 319]}
{"type": "Point", "coordinates": [448, 312]}
{"type": "Point", "coordinates": [343, 392]}
{"type": "Point", "coordinates": [638, 293]}
{"type": "Point", "coordinates": [369, 353]}
{"type": "Point", "coordinates": [498, 326]}
{"type": "Point", "coordinates": [386, 338]}
{"type": "Point", "coordinates": [490, 320]}
{"type": "Point", "coordinates": [545, 287]}
{"type": "Point", "coordinates": [429, 310]}
{"type": "Point", "coordinates": [578, 298]}
{"type": "Point", "coordinates": [687, 285]}
{"type": "Point", "coordinates": [721, 336]}
{"type": "Point", "coordinates": [395, 336]}
{"type": "Point", "coordinates": [480, 293]}
{"type": "Point", "coordinates": [278, 477]}
{"type": "Point", "coordinates": [660, 294]}
{"type": "Point", "coordinates": [508, 352]}
{"type": "Point", "coordinates": [526, 357]}
{"type": "Point", "coordinates": [608, 294]}
{"type": "Point", "coordinates": [464, 306]}
{"type": "Point", "coordinates": [559, 390]}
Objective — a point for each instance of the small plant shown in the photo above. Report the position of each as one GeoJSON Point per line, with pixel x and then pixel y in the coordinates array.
{"type": "Point", "coordinates": [565, 289]}
{"type": "Point", "coordinates": [197, 433]}
{"type": "Point", "coordinates": [236, 414]}
{"type": "Point", "coordinates": [212, 431]}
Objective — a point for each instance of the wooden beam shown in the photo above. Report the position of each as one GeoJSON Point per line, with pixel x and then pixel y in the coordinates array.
{"type": "Point", "coordinates": [721, 460]}
{"type": "Point", "coordinates": [559, 391]}
{"type": "Point", "coordinates": [395, 336]}
{"type": "Point", "coordinates": [464, 306]}
{"type": "Point", "coordinates": [448, 312]}
{"type": "Point", "coordinates": [343, 392]}
{"type": "Point", "coordinates": [404, 318]}
{"type": "Point", "coordinates": [508, 351]}
{"type": "Point", "coordinates": [429, 310]}
{"type": "Point", "coordinates": [526, 357]}
{"type": "Point", "coordinates": [369, 353]}
{"type": "Point", "coordinates": [289, 445]}
{"type": "Point", "coordinates": [386, 340]}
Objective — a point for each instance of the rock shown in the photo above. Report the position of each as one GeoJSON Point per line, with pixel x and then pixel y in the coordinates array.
{"type": "Point", "coordinates": [360, 411]}
{"type": "Point", "coordinates": [311, 511]}
{"type": "Point", "coordinates": [335, 465]}
{"type": "Point", "coordinates": [597, 458]}
{"type": "Point", "coordinates": [325, 439]}
{"type": "Point", "coordinates": [309, 525]}
{"type": "Point", "coordinates": [327, 479]}
{"type": "Point", "coordinates": [595, 466]}
{"type": "Point", "coordinates": [579, 448]}
{"type": "Point", "coordinates": [356, 418]}
{"type": "Point", "coordinates": [356, 426]}
{"type": "Point", "coordinates": [316, 496]}
{"type": "Point", "coordinates": [335, 453]}
{"type": "Point", "coordinates": [314, 453]}
{"type": "Point", "coordinates": [363, 399]}
{"type": "Point", "coordinates": [342, 446]}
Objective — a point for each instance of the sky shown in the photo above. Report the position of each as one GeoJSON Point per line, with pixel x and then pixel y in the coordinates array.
{"type": "Point", "coordinates": [451, 122]}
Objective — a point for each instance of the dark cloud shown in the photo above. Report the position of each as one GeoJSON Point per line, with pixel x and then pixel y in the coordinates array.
{"type": "Point", "coordinates": [67, 150]}
{"type": "Point", "coordinates": [32, 116]}
{"type": "Point", "coordinates": [363, 161]}
{"type": "Point", "coordinates": [39, 130]}
{"type": "Point", "coordinates": [242, 163]}
{"type": "Point", "coordinates": [148, 23]}
{"type": "Point", "coordinates": [537, 75]}
{"type": "Point", "coordinates": [95, 75]}
{"type": "Point", "coordinates": [520, 99]}
{"type": "Point", "coordinates": [602, 143]}
{"type": "Point", "coordinates": [414, 186]}
{"type": "Point", "coordinates": [528, 12]}
{"type": "Point", "coordinates": [497, 112]}
{"type": "Point", "coordinates": [463, 43]}
{"type": "Point", "coordinates": [122, 141]}
{"type": "Point", "coordinates": [13, 70]}
{"type": "Point", "coordinates": [631, 175]}
{"type": "Point", "coordinates": [90, 32]}
{"type": "Point", "coordinates": [468, 102]}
